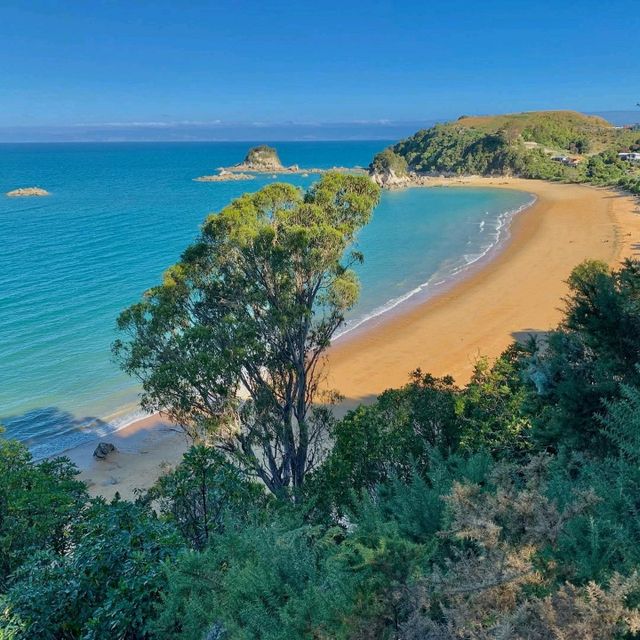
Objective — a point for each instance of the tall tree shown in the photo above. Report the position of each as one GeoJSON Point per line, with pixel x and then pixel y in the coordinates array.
{"type": "Point", "coordinates": [231, 344]}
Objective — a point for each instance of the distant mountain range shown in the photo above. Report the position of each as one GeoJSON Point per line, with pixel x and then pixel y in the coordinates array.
{"type": "Point", "coordinates": [240, 131]}
{"type": "Point", "coordinates": [215, 131]}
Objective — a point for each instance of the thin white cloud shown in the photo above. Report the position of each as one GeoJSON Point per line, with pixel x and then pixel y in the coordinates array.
{"type": "Point", "coordinates": [152, 123]}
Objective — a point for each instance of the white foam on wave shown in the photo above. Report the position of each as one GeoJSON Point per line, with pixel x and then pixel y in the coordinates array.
{"type": "Point", "coordinates": [92, 431]}
{"type": "Point", "coordinates": [431, 286]}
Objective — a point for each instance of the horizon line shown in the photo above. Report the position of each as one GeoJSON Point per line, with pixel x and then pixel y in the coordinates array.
{"type": "Point", "coordinates": [218, 131]}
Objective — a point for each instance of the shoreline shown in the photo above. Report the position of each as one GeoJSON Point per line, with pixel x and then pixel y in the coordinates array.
{"type": "Point", "coordinates": [427, 291]}
{"type": "Point", "coordinates": [478, 314]}
{"type": "Point", "coordinates": [126, 417]}
{"type": "Point", "coordinates": [134, 416]}
{"type": "Point", "coordinates": [484, 312]}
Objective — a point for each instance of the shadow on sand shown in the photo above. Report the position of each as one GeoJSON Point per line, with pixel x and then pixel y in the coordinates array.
{"type": "Point", "coordinates": [47, 429]}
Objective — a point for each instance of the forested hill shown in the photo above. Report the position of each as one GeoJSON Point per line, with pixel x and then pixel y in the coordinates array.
{"type": "Point", "coordinates": [560, 145]}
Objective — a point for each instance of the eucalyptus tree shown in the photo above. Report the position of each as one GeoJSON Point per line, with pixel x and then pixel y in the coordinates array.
{"type": "Point", "coordinates": [231, 345]}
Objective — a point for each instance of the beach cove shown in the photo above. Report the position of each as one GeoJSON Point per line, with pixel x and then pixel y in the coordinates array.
{"type": "Point", "coordinates": [119, 215]}
{"type": "Point", "coordinates": [516, 293]}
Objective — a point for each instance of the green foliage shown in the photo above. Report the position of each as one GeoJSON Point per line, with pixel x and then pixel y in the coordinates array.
{"type": "Point", "coordinates": [461, 150]}
{"type": "Point", "coordinates": [472, 547]}
{"type": "Point", "coordinates": [287, 580]}
{"type": "Point", "coordinates": [536, 164]}
{"type": "Point", "coordinates": [453, 150]}
{"type": "Point", "coordinates": [253, 304]}
{"type": "Point", "coordinates": [586, 360]}
{"type": "Point", "coordinates": [521, 145]}
{"type": "Point", "coordinates": [608, 539]}
{"type": "Point", "coordinates": [199, 494]}
{"type": "Point", "coordinates": [603, 169]}
{"type": "Point", "coordinates": [269, 582]}
{"type": "Point", "coordinates": [388, 161]}
{"type": "Point", "coordinates": [491, 408]}
{"type": "Point", "coordinates": [603, 541]}
{"type": "Point", "coordinates": [104, 587]}
{"type": "Point", "coordinates": [263, 148]}
{"type": "Point", "coordinates": [622, 423]}
{"type": "Point", "coordinates": [399, 434]}
{"type": "Point", "coordinates": [390, 438]}
{"type": "Point", "coordinates": [556, 129]}
{"type": "Point", "coordinates": [558, 132]}
{"type": "Point", "coordinates": [262, 154]}
{"type": "Point", "coordinates": [382, 566]}
{"type": "Point", "coordinates": [38, 503]}
{"type": "Point", "coordinates": [631, 184]}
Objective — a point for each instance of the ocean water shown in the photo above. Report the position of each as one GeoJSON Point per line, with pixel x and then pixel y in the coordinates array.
{"type": "Point", "coordinates": [119, 214]}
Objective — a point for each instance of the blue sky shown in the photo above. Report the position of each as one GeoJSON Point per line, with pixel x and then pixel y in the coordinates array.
{"type": "Point", "coordinates": [195, 63]}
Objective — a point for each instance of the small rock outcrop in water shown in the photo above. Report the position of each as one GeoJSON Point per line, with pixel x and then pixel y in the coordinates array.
{"type": "Point", "coordinates": [262, 158]}
{"type": "Point", "coordinates": [225, 176]}
{"type": "Point", "coordinates": [27, 192]}
{"type": "Point", "coordinates": [389, 179]}
{"type": "Point", "coordinates": [389, 170]}
{"type": "Point", "coordinates": [103, 450]}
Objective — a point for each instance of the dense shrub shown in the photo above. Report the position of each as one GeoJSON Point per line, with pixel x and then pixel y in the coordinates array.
{"type": "Point", "coordinates": [387, 161]}
{"type": "Point", "coordinates": [38, 503]}
{"type": "Point", "coordinates": [104, 587]}
{"type": "Point", "coordinates": [198, 495]}
{"type": "Point", "coordinates": [603, 169]}
{"type": "Point", "coordinates": [390, 438]}
{"type": "Point", "coordinates": [584, 363]}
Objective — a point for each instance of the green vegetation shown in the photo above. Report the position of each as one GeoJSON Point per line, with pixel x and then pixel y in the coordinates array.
{"type": "Point", "coordinates": [252, 306]}
{"type": "Point", "coordinates": [506, 508]}
{"type": "Point", "coordinates": [38, 502]}
{"type": "Point", "coordinates": [389, 161]}
{"type": "Point", "coordinates": [262, 155]}
{"type": "Point", "coordinates": [523, 145]}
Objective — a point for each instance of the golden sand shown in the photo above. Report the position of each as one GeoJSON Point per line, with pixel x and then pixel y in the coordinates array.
{"type": "Point", "coordinates": [519, 292]}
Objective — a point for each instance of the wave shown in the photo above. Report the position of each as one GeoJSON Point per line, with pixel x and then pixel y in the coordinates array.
{"type": "Point", "coordinates": [446, 274]}
{"type": "Point", "coordinates": [92, 430]}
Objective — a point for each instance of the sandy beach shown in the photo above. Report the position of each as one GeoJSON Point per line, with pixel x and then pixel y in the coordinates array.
{"type": "Point", "coordinates": [518, 292]}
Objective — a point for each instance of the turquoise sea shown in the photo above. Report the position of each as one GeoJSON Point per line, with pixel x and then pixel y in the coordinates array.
{"type": "Point", "coordinates": [119, 214]}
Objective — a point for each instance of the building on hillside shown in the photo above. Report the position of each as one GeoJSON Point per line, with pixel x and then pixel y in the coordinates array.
{"type": "Point", "coordinates": [631, 156]}
{"type": "Point", "coordinates": [570, 162]}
